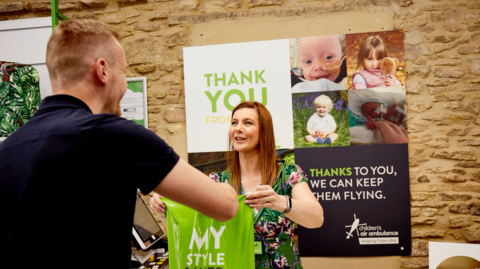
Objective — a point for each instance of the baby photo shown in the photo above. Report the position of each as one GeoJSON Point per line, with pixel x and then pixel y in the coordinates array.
{"type": "Point", "coordinates": [320, 119]}
{"type": "Point", "coordinates": [375, 60]}
{"type": "Point", "coordinates": [377, 116]}
{"type": "Point", "coordinates": [318, 63]}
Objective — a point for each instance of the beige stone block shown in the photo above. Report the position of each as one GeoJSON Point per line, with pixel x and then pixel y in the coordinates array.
{"type": "Point", "coordinates": [468, 164]}
{"type": "Point", "coordinates": [457, 234]}
{"type": "Point", "coordinates": [414, 262]}
{"type": "Point", "coordinates": [453, 178]}
{"type": "Point", "coordinates": [154, 109]}
{"type": "Point", "coordinates": [463, 106]}
{"type": "Point", "coordinates": [170, 79]}
{"type": "Point", "coordinates": [175, 128]}
{"type": "Point", "coordinates": [115, 18]}
{"type": "Point", "coordinates": [471, 17]}
{"type": "Point", "coordinates": [429, 203]}
{"type": "Point", "coordinates": [428, 188]}
{"type": "Point", "coordinates": [421, 71]}
{"type": "Point", "coordinates": [465, 50]}
{"type": "Point", "coordinates": [458, 171]}
{"type": "Point", "coordinates": [187, 5]}
{"type": "Point", "coordinates": [174, 115]}
{"type": "Point", "coordinates": [416, 127]}
{"type": "Point", "coordinates": [468, 143]}
{"type": "Point", "coordinates": [417, 156]}
{"type": "Point", "coordinates": [440, 7]}
{"type": "Point", "coordinates": [414, 212]}
{"type": "Point", "coordinates": [459, 221]}
{"type": "Point", "coordinates": [156, 75]}
{"type": "Point", "coordinates": [472, 234]}
{"type": "Point", "coordinates": [169, 66]}
{"type": "Point", "coordinates": [476, 219]}
{"type": "Point", "coordinates": [446, 16]}
{"type": "Point", "coordinates": [428, 233]}
{"type": "Point", "coordinates": [447, 62]}
{"type": "Point", "coordinates": [476, 177]}
{"type": "Point", "coordinates": [473, 28]}
{"type": "Point", "coordinates": [449, 45]}
{"type": "Point", "coordinates": [476, 121]}
{"type": "Point", "coordinates": [473, 65]}
{"type": "Point", "coordinates": [406, 13]}
{"type": "Point", "coordinates": [408, 25]}
{"type": "Point", "coordinates": [448, 97]}
{"type": "Point", "coordinates": [404, 3]}
{"type": "Point", "coordinates": [442, 82]}
{"type": "Point", "coordinates": [466, 187]}
{"type": "Point", "coordinates": [6, 7]}
{"type": "Point", "coordinates": [423, 221]}
{"type": "Point", "coordinates": [453, 28]}
{"type": "Point", "coordinates": [442, 38]}
{"type": "Point", "coordinates": [144, 68]}
{"type": "Point", "coordinates": [429, 212]}
{"type": "Point", "coordinates": [454, 197]}
{"type": "Point", "coordinates": [175, 37]}
{"type": "Point", "coordinates": [460, 209]}
{"type": "Point", "coordinates": [95, 3]}
{"type": "Point", "coordinates": [423, 196]}
{"type": "Point", "coordinates": [147, 26]}
{"type": "Point", "coordinates": [423, 179]}
{"type": "Point", "coordinates": [419, 106]}
{"type": "Point", "coordinates": [414, 88]}
{"type": "Point", "coordinates": [159, 14]}
{"type": "Point", "coordinates": [422, 60]}
{"type": "Point", "coordinates": [419, 248]}
{"type": "Point", "coordinates": [448, 72]}
{"type": "Point", "coordinates": [461, 131]}
{"type": "Point", "coordinates": [414, 37]}
{"type": "Point", "coordinates": [143, 51]}
{"type": "Point", "coordinates": [159, 93]}
{"type": "Point", "coordinates": [38, 6]}
{"type": "Point", "coordinates": [437, 145]}
{"type": "Point", "coordinates": [455, 155]}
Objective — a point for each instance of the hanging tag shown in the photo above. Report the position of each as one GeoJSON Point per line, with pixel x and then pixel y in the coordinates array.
{"type": "Point", "coordinates": [258, 247]}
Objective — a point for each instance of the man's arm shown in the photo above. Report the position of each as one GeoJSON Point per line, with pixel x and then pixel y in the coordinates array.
{"type": "Point", "coordinates": [188, 186]}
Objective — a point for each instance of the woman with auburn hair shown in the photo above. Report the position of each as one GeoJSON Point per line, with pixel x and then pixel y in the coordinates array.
{"type": "Point", "coordinates": [279, 193]}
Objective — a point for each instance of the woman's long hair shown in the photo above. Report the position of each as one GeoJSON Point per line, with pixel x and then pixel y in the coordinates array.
{"type": "Point", "coordinates": [266, 144]}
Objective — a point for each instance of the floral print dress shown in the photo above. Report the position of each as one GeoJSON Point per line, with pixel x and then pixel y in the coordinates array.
{"type": "Point", "coordinates": [273, 228]}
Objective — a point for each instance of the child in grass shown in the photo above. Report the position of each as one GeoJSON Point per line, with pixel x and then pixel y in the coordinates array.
{"type": "Point", "coordinates": [321, 126]}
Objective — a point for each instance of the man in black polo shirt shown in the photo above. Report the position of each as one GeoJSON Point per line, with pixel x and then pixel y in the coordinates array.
{"type": "Point", "coordinates": [68, 177]}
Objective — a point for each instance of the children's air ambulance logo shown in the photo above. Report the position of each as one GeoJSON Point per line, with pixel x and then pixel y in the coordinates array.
{"type": "Point", "coordinates": [354, 226]}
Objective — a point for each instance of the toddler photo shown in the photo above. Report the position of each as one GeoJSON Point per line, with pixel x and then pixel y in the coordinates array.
{"type": "Point", "coordinates": [375, 60]}
{"type": "Point", "coordinates": [320, 119]}
{"type": "Point", "coordinates": [318, 63]}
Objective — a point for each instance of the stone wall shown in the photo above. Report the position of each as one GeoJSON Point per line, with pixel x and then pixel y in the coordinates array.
{"type": "Point", "coordinates": [442, 52]}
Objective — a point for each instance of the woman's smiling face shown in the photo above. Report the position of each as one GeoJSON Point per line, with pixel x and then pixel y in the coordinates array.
{"type": "Point", "coordinates": [245, 130]}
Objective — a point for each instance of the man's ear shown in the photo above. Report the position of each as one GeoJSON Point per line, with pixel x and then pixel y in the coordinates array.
{"type": "Point", "coordinates": [101, 70]}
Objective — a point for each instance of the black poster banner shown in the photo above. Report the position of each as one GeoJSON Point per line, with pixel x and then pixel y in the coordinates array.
{"type": "Point", "coordinates": [364, 191]}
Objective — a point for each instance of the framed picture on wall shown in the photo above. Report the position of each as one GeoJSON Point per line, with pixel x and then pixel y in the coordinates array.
{"type": "Point", "coordinates": [134, 102]}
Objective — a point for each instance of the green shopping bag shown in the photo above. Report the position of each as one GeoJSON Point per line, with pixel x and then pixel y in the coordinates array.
{"type": "Point", "coordinates": [196, 241]}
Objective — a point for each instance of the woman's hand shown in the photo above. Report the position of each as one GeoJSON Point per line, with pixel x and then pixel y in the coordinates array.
{"type": "Point", "coordinates": [265, 196]}
{"type": "Point", "coordinates": [157, 205]}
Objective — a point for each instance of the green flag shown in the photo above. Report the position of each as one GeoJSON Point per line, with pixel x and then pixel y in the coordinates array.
{"type": "Point", "coordinates": [196, 241]}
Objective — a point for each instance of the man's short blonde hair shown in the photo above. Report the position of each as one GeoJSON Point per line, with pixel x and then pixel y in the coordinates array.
{"type": "Point", "coordinates": [75, 45]}
{"type": "Point", "coordinates": [323, 99]}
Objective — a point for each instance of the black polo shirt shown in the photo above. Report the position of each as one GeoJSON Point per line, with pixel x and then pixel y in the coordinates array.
{"type": "Point", "coordinates": [68, 181]}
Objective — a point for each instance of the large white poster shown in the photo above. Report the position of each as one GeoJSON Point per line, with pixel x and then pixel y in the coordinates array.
{"type": "Point", "coordinates": [227, 75]}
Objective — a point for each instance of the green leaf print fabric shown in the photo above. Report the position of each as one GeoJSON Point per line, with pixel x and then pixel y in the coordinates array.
{"type": "Point", "coordinates": [273, 228]}
{"type": "Point", "coordinates": [196, 241]}
{"type": "Point", "coordinates": [19, 96]}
